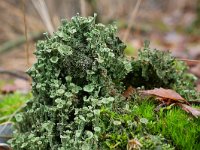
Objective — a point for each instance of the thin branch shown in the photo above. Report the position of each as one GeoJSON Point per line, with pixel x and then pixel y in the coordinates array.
{"type": "Point", "coordinates": [132, 18]}
{"type": "Point", "coordinates": [18, 74]}
{"type": "Point", "coordinates": [42, 9]}
{"type": "Point", "coordinates": [25, 33]}
{"type": "Point", "coordinates": [189, 60]}
{"type": "Point", "coordinates": [195, 102]}
{"type": "Point", "coordinates": [83, 8]}
{"type": "Point", "coordinates": [9, 45]}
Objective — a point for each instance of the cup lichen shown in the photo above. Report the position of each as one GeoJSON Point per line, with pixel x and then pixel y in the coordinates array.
{"type": "Point", "coordinates": [78, 81]}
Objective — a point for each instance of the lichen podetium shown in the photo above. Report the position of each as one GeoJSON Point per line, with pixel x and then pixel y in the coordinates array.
{"type": "Point", "coordinates": [78, 81]}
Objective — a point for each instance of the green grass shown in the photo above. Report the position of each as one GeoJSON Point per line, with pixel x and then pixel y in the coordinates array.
{"type": "Point", "coordinates": [175, 125]}
{"type": "Point", "coordinates": [10, 103]}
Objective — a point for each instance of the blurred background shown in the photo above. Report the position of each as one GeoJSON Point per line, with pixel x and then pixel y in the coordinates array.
{"type": "Point", "coordinates": [167, 24]}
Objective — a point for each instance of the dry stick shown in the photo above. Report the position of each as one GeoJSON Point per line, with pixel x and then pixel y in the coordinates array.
{"type": "Point", "coordinates": [189, 60]}
{"type": "Point", "coordinates": [17, 13]}
{"type": "Point", "coordinates": [133, 15]}
{"type": "Point", "coordinates": [42, 9]}
{"type": "Point", "coordinates": [5, 47]}
{"type": "Point", "coordinates": [26, 35]}
{"type": "Point", "coordinates": [18, 74]}
{"type": "Point", "coordinates": [195, 102]}
{"type": "Point", "coordinates": [83, 8]}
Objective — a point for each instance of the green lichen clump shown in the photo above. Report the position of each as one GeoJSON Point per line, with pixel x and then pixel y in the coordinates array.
{"type": "Point", "coordinates": [78, 81]}
{"type": "Point", "coordinates": [78, 70]}
{"type": "Point", "coordinates": [155, 68]}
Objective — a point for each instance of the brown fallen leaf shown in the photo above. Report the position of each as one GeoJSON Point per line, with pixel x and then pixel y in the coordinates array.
{"type": "Point", "coordinates": [8, 88]}
{"type": "Point", "coordinates": [133, 144]}
{"type": "Point", "coordinates": [4, 146]}
{"type": "Point", "coordinates": [168, 96]}
{"type": "Point", "coordinates": [164, 94]}
{"type": "Point", "coordinates": [189, 109]}
{"type": "Point", "coordinates": [19, 85]}
{"type": "Point", "coordinates": [195, 102]}
{"type": "Point", "coordinates": [129, 91]}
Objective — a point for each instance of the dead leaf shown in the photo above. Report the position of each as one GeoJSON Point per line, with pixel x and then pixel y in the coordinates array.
{"type": "Point", "coordinates": [19, 85]}
{"type": "Point", "coordinates": [4, 146]}
{"type": "Point", "coordinates": [195, 102]}
{"type": "Point", "coordinates": [133, 144]}
{"type": "Point", "coordinates": [164, 94]}
{"type": "Point", "coordinates": [8, 88]}
{"type": "Point", "coordinates": [130, 90]}
{"type": "Point", "coordinates": [189, 109]}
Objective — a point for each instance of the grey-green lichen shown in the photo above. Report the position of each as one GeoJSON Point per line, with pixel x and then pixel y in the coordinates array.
{"type": "Point", "coordinates": [154, 68]}
{"type": "Point", "coordinates": [78, 81]}
{"type": "Point", "coordinates": [78, 70]}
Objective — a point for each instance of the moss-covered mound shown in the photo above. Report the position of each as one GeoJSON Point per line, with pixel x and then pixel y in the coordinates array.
{"type": "Point", "coordinates": [78, 81]}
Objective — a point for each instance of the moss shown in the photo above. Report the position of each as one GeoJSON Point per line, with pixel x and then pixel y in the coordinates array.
{"type": "Point", "coordinates": [175, 125]}
{"type": "Point", "coordinates": [181, 129]}
{"type": "Point", "coordinates": [130, 122]}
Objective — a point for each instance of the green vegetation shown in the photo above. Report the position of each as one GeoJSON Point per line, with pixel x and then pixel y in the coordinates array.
{"type": "Point", "coordinates": [142, 122]}
{"type": "Point", "coordinates": [78, 82]}
{"type": "Point", "coordinates": [174, 124]}
{"type": "Point", "coordinates": [79, 69]}
{"type": "Point", "coordinates": [131, 122]}
{"type": "Point", "coordinates": [130, 50]}
{"type": "Point", "coordinates": [10, 103]}
{"type": "Point", "coordinates": [154, 68]}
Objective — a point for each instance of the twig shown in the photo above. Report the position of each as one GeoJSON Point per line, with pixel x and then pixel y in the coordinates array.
{"type": "Point", "coordinates": [25, 33]}
{"type": "Point", "coordinates": [195, 102]}
{"type": "Point", "coordinates": [83, 7]}
{"type": "Point", "coordinates": [42, 9]}
{"type": "Point", "coordinates": [189, 60]}
{"type": "Point", "coordinates": [18, 74]}
{"type": "Point", "coordinates": [15, 12]}
{"type": "Point", "coordinates": [5, 47]}
{"type": "Point", "coordinates": [133, 15]}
